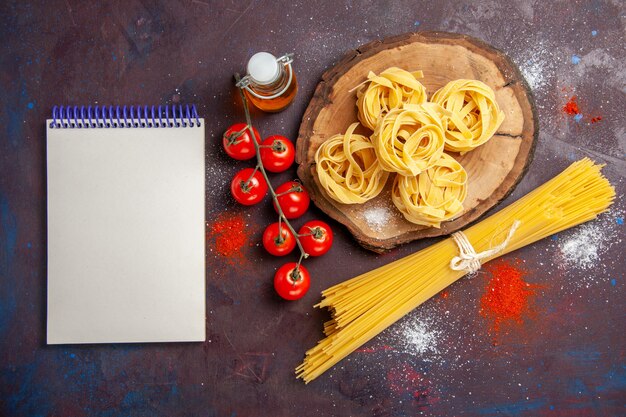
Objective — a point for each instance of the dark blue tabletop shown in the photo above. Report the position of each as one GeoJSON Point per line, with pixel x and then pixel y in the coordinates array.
{"type": "Point", "coordinates": [564, 357]}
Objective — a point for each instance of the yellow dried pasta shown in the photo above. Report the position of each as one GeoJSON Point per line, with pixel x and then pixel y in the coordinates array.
{"type": "Point", "coordinates": [409, 140]}
{"type": "Point", "coordinates": [474, 115]}
{"type": "Point", "coordinates": [389, 90]}
{"type": "Point", "coordinates": [347, 168]}
{"type": "Point", "coordinates": [435, 195]}
{"type": "Point", "coordinates": [364, 306]}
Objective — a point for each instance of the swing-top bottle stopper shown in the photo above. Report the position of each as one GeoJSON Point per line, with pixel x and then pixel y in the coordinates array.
{"type": "Point", "coordinates": [270, 83]}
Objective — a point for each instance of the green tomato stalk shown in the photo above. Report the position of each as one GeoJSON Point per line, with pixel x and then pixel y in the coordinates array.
{"type": "Point", "coordinates": [259, 166]}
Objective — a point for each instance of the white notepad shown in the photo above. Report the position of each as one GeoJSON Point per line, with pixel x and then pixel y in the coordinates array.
{"type": "Point", "coordinates": [125, 228]}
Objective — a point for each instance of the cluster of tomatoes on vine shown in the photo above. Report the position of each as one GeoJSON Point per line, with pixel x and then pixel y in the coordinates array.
{"type": "Point", "coordinates": [291, 200]}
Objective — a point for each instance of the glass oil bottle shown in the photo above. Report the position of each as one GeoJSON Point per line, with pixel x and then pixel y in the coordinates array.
{"type": "Point", "coordinates": [270, 83]}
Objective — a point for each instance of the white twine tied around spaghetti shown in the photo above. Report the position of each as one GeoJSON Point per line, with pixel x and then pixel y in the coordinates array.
{"type": "Point", "coordinates": [468, 260]}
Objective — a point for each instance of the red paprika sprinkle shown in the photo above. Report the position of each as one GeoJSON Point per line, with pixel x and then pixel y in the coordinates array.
{"type": "Point", "coordinates": [596, 119]}
{"type": "Point", "coordinates": [506, 297]}
{"type": "Point", "coordinates": [571, 107]}
{"type": "Point", "coordinates": [228, 236]}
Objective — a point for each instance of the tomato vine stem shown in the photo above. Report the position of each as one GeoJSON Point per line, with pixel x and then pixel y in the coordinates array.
{"type": "Point", "coordinates": [259, 166]}
{"type": "Point", "coordinates": [246, 185]}
{"type": "Point", "coordinates": [233, 138]}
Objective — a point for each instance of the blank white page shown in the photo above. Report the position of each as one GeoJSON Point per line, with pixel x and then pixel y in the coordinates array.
{"type": "Point", "coordinates": [126, 235]}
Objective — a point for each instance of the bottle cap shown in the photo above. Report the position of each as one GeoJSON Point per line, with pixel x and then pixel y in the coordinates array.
{"type": "Point", "coordinates": [263, 68]}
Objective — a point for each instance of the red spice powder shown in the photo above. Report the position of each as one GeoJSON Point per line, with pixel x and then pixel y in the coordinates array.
{"type": "Point", "coordinates": [506, 297]}
{"type": "Point", "coordinates": [228, 235]}
{"type": "Point", "coordinates": [571, 107]}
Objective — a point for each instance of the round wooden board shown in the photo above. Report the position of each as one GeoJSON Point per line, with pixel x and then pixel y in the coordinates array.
{"type": "Point", "coordinates": [494, 169]}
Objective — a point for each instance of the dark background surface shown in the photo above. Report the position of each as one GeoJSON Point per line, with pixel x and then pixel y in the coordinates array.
{"type": "Point", "coordinates": [565, 358]}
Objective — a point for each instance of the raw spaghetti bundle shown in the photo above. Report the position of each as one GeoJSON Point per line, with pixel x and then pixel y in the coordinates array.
{"type": "Point", "coordinates": [389, 90]}
{"type": "Point", "coordinates": [348, 169]}
{"type": "Point", "coordinates": [366, 305]}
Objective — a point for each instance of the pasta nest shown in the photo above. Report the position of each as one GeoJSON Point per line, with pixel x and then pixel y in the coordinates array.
{"type": "Point", "coordinates": [472, 114]}
{"type": "Point", "coordinates": [435, 195]}
{"type": "Point", "coordinates": [347, 168]}
{"type": "Point", "coordinates": [389, 90]}
{"type": "Point", "coordinates": [410, 140]}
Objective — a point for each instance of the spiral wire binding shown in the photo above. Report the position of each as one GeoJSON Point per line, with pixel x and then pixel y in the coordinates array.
{"type": "Point", "coordinates": [124, 116]}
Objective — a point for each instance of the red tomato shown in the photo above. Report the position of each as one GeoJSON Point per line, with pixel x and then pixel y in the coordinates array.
{"type": "Point", "coordinates": [277, 153]}
{"type": "Point", "coordinates": [238, 143]}
{"type": "Point", "coordinates": [248, 186]}
{"type": "Point", "coordinates": [293, 199]}
{"type": "Point", "coordinates": [292, 281]}
{"type": "Point", "coordinates": [278, 243]}
{"type": "Point", "coordinates": [316, 237]}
